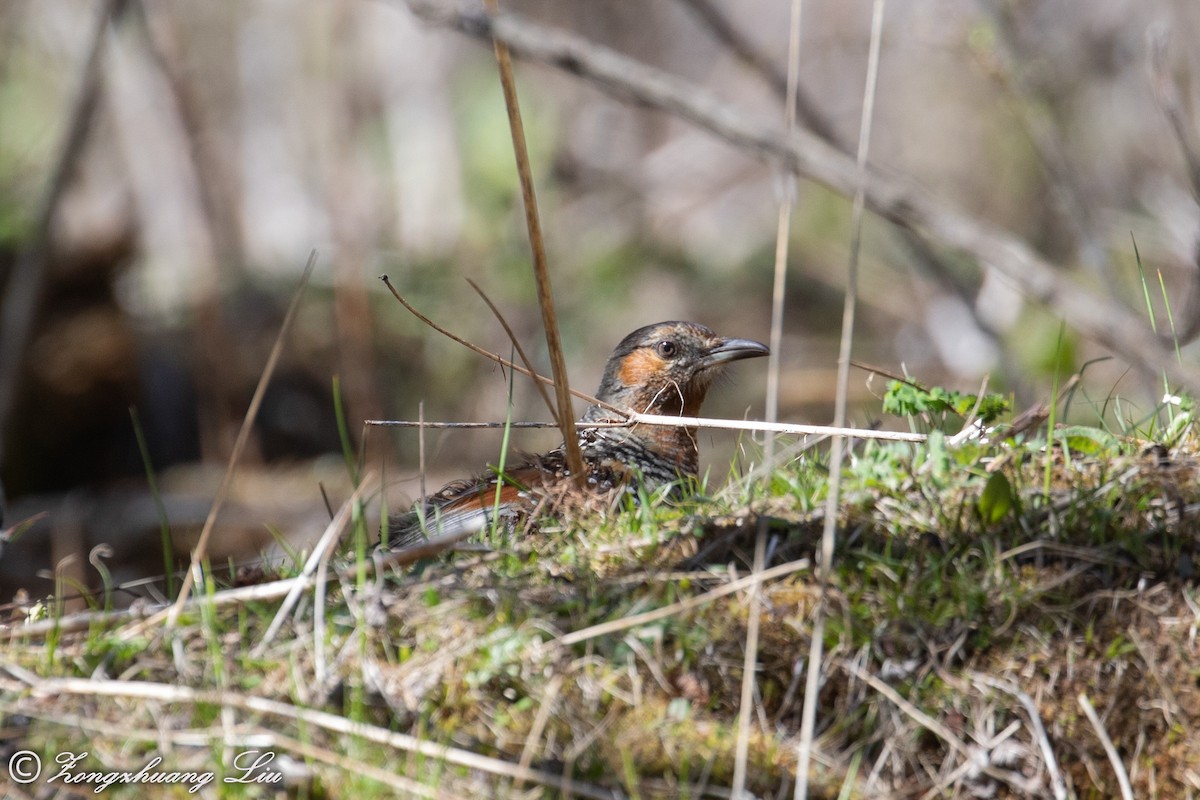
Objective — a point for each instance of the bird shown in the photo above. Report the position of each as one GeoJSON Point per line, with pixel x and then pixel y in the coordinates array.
{"type": "Point", "coordinates": [665, 369]}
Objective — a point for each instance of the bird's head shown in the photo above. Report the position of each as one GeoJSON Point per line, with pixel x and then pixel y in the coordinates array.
{"type": "Point", "coordinates": [666, 368]}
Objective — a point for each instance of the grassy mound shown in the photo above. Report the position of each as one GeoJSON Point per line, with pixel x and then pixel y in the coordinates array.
{"type": "Point", "coordinates": [984, 598]}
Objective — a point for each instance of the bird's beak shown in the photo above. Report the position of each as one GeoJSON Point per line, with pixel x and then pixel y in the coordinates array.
{"type": "Point", "coordinates": [734, 350]}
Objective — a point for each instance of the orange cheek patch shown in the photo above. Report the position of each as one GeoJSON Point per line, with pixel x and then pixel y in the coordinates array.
{"type": "Point", "coordinates": [639, 367]}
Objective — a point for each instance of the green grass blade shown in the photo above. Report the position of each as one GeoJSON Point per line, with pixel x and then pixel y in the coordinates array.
{"type": "Point", "coordinates": [164, 523]}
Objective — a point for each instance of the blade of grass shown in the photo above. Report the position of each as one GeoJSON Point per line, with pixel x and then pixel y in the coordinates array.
{"type": "Point", "coordinates": [353, 466]}
{"type": "Point", "coordinates": [1170, 318]}
{"type": "Point", "coordinates": [494, 527]}
{"type": "Point", "coordinates": [1137, 257]}
{"type": "Point", "coordinates": [1052, 417]}
{"type": "Point", "coordinates": [164, 524]}
{"type": "Point", "coordinates": [339, 413]}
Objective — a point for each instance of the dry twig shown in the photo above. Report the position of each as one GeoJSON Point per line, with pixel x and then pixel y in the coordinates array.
{"type": "Point", "coordinates": [516, 343]}
{"type": "Point", "coordinates": [485, 353]}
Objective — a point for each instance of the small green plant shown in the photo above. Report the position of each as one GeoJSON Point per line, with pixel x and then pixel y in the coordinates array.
{"type": "Point", "coordinates": [937, 406]}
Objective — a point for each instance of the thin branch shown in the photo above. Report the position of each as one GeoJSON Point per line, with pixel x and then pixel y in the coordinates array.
{"type": "Point", "coordinates": [889, 195]}
{"type": "Point", "coordinates": [541, 272]}
{"type": "Point", "coordinates": [1028, 103]}
{"type": "Point", "coordinates": [1166, 91]}
{"type": "Point", "coordinates": [725, 32]}
{"type": "Point", "coordinates": [920, 251]}
{"type": "Point", "coordinates": [516, 343]}
{"type": "Point", "coordinates": [200, 552]}
{"type": "Point", "coordinates": [485, 353]}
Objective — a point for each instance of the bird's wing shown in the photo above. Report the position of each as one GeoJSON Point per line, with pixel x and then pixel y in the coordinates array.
{"type": "Point", "coordinates": [466, 508]}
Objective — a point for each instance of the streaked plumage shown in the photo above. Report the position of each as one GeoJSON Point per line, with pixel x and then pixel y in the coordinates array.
{"type": "Point", "coordinates": [664, 368]}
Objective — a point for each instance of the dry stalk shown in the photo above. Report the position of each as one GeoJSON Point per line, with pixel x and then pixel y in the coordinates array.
{"type": "Point", "coordinates": [390, 778]}
{"type": "Point", "coordinates": [798, 429]}
{"type": "Point", "coordinates": [549, 699]}
{"type": "Point", "coordinates": [782, 229]}
{"type": "Point", "coordinates": [320, 555]}
{"type": "Point", "coordinates": [558, 364]}
{"type": "Point", "coordinates": [1035, 723]}
{"type": "Point", "coordinates": [837, 452]}
{"type": "Point", "coordinates": [910, 710]}
{"type": "Point", "coordinates": [1110, 750]}
{"type": "Point", "coordinates": [201, 549]}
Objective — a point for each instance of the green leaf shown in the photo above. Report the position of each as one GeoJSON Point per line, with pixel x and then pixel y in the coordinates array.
{"type": "Point", "coordinates": [1088, 441]}
{"type": "Point", "coordinates": [996, 500]}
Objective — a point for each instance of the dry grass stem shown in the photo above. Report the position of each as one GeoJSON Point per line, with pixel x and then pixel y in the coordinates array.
{"type": "Point", "coordinates": [782, 231]}
{"type": "Point", "coordinates": [910, 710]}
{"type": "Point", "coordinates": [837, 450]}
{"type": "Point", "coordinates": [797, 429]}
{"type": "Point", "coordinates": [200, 551]}
{"type": "Point", "coordinates": [1035, 722]}
{"type": "Point", "coordinates": [319, 556]}
{"type": "Point", "coordinates": [541, 272]}
{"type": "Point", "coordinates": [618, 625]}
{"type": "Point", "coordinates": [1110, 750]}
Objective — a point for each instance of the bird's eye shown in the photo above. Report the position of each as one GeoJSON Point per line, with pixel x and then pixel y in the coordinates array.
{"type": "Point", "coordinates": [667, 349]}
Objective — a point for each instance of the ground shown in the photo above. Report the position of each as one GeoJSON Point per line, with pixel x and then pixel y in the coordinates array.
{"type": "Point", "coordinates": [985, 597]}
